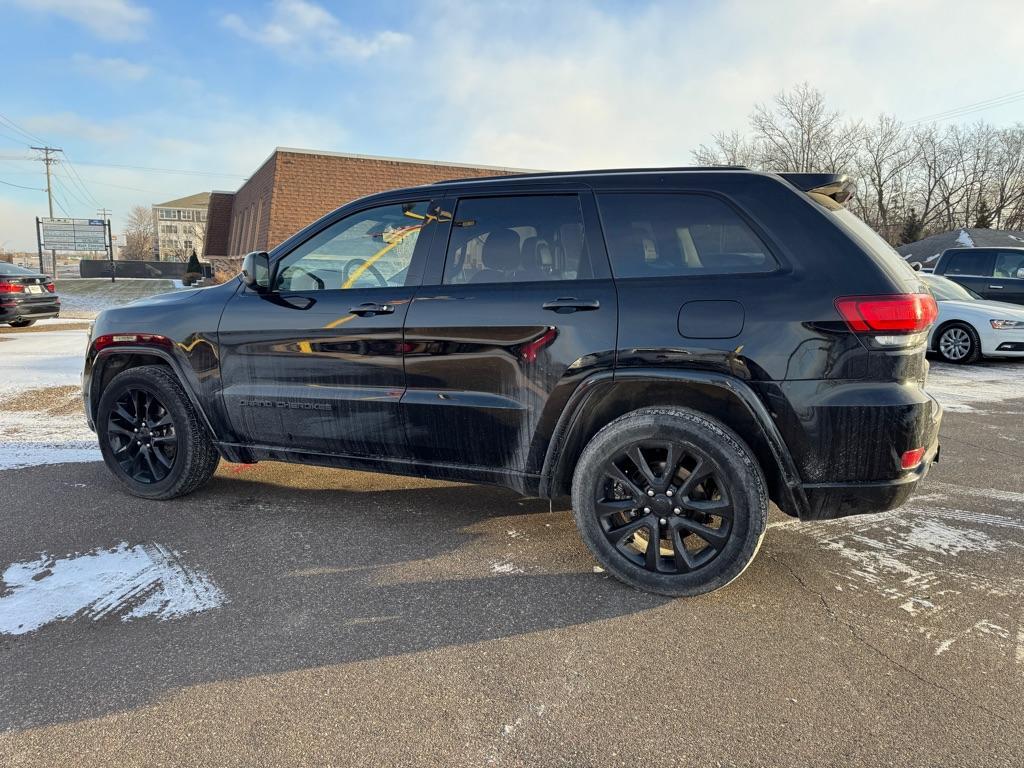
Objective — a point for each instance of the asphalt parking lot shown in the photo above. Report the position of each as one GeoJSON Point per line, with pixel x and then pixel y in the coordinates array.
{"type": "Point", "coordinates": [301, 615]}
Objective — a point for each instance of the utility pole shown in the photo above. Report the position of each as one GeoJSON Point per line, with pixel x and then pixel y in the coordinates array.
{"type": "Point", "coordinates": [47, 160]}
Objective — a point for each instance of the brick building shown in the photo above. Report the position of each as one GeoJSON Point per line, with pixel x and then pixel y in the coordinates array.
{"type": "Point", "coordinates": [295, 187]}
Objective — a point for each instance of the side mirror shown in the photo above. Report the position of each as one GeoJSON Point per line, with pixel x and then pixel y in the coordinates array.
{"type": "Point", "coordinates": [256, 271]}
{"type": "Point", "coordinates": [1020, 273]}
{"type": "Point", "coordinates": [917, 265]}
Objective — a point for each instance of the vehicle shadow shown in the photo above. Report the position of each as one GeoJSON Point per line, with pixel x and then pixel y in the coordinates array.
{"type": "Point", "coordinates": [313, 576]}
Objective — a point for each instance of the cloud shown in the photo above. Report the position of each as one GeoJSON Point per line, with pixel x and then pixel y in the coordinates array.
{"type": "Point", "coordinates": [594, 86]}
{"type": "Point", "coordinates": [107, 19]}
{"type": "Point", "coordinates": [70, 124]}
{"type": "Point", "coordinates": [109, 68]}
{"type": "Point", "coordinates": [302, 29]}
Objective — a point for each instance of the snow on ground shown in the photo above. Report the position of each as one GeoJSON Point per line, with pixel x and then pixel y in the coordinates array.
{"type": "Point", "coordinates": [128, 582]}
{"type": "Point", "coordinates": [86, 297]}
{"type": "Point", "coordinates": [979, 387]}
{"type": "Point", "coordinates": [41, 418]}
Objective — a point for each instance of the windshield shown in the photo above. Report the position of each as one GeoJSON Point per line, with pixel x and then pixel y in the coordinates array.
{"type": "Point", "coordinates": [946, 290]}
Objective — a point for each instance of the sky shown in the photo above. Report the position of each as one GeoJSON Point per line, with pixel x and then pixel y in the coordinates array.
{"type": "Point", "coordinates": [156, 100]}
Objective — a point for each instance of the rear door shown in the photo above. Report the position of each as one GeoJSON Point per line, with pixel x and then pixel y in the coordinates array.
{"type": "Point", "coordinates": [973, 269]}
{"type": "Point", "coordinates": [691, 273]}
{"type": "Point", "coordinates": [1007, 282]}
{"type": "Point", "coordinates": [519, 309]}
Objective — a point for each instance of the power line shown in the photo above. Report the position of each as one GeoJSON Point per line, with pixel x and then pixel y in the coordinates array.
{"type": "Point", "coordinates": [966, 109]}
{"type": "Point", "coordinates": [78, 180]}
{"type": "Point", "coordinates": [31, 138]}
{"type": "Point", "coordinates": [19, 186]}
{"type": "Point", "coordinates": [182, 171]}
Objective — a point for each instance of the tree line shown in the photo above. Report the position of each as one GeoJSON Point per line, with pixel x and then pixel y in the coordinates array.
{"type": "Point", "coordinates": [912, 180]}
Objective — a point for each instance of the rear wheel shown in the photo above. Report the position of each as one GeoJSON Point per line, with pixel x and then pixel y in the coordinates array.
{"type": "Point", "coordinates": [25, 323]}
{"type": "Point", "coordinates": [670, 501]}
{"type": "Point", "coordinates": [959, 343]}
{"type": "Point", "coordinates": [151, 437]}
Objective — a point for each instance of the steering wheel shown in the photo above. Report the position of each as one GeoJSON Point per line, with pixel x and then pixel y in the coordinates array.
{"type": "Point", "coordinates": [367, 267]}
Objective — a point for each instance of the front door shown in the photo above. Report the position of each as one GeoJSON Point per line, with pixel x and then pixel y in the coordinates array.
{"type": "Point", "coordinates": [1007, 282]}
{"type": "Point", "coordinates": [315, 364]}
{"type": "Point", "coordinates": [523, 309]}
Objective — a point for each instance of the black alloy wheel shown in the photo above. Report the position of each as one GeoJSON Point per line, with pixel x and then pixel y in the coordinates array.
{"type": "Point", "coordinates": [142, 437]}
{"type": "Point", "coordinates": [670, 501]}
{"type": "Point", "coordinates": [664, 506]}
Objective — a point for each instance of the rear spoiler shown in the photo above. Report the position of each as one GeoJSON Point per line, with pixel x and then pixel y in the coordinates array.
{"type": "Point", "coordinates": [837, 186]}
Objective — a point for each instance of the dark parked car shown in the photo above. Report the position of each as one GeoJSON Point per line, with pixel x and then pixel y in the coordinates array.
{"type": "Point", "coordinates": [26, 296]}
{"type": "Point", "coordinates": [671, 347]}
{"type": "Point", "coordinates": [996, 274]}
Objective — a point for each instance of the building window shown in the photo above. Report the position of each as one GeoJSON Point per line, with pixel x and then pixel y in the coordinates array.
{"type": "Point", "coordinates": [201, 215]}
{"type": "Point", "coordinates": [186, 215]}
{"type": "Point", "coordinates": [168, 213]}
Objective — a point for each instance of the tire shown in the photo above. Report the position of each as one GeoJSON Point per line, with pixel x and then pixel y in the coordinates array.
{"type": "Point", "coordinates": [21, 323]}
{"type": "Point", "coordinates": [951, 340]}
{"type": "Point", "coordinates": [150, 401]}
{"type": "Point", "coordinates": [605, 507]}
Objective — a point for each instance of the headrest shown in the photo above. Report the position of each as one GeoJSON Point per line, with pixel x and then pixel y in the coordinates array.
{"type": "Point", "coordinates": [501, 250]}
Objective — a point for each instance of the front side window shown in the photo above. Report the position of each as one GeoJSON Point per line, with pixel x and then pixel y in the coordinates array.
{"type": "Point", "coordinates": [667, 235]}
{"type": "Point", "coordinates": [369, 249]}
{"type": "Point", "coordinates": [517, 239]}
{"type": "Point", "coordinates": [978, 263]}
{"type": "Point", "coordinates": [1010, 264]}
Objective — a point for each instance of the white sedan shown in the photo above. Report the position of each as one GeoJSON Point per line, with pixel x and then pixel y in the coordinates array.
{"type": "Point", "coordinates": [970, 327]}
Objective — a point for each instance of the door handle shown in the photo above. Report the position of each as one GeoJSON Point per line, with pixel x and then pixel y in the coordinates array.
{"type": "Point", "coordinates": [566, 304]}
{"type": "Point", "coordinates": [369, 309]}
{"type": "Point", "coordinates": [996, 286]}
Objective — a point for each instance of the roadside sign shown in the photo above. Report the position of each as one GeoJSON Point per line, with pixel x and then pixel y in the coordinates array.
{"type": "Point", "coordinates": [73, 234]}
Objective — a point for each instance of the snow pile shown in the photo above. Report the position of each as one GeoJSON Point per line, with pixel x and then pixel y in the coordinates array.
{"type": "Point", "coordinates": [126, 582]}
{"type": "Point", "coordinates": [965, 387]}
{"type": "Point", "coordinates": [964, 238]}
{"type": "Point", "coordinates": [41, 419]}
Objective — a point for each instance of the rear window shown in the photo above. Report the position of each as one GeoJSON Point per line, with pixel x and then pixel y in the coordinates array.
{"type": "Point", "coordinates": [970, 263]}
{"type": "Point", "coordinates": [666, 235]}
{"type": "Point", "coordinates": [518, 239]}
{"type": "Point", "coordinates": [11, 269]}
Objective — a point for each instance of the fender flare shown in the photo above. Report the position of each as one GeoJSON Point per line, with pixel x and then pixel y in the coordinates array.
{"type": "Point", "coordinates": [603, 384]}
{"type": "Point", "coordinates": [139, 349]}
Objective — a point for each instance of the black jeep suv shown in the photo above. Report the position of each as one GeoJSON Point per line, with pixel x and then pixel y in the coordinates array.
{"type": "Point", "coordinates": [671, 347]}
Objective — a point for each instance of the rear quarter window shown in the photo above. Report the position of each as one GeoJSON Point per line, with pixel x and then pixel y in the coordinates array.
{"type": "Point", "coordinates": [666, 235]}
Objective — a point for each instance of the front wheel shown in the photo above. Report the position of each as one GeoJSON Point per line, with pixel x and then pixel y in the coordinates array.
{"type": "Point", "coordinates": [959, 343]}
{"type": "Point", "coordinates": [670, 501]}
{"type": "Point", "coordinates": [151, 437]}
{"type": "Point", "coordinates": [25, 323]}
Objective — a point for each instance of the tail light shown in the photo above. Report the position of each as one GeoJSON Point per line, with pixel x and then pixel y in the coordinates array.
{"type": "Point", "coordinates": [51, 287]}
{"type": "Point", "coordinates": [6, 287]}
{"type": "Point", "coordinates": [892, 321]}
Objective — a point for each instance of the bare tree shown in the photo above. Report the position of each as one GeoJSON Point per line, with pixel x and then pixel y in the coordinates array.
{"type": "Point", "coordinates": [138, 234]}
{"type": "Point", "coordinates": [884, 165]}
{"type": "Point", "coordinates": [731, 148]}
{"type": "Point", "coordinates": [800, 134]}
{"type": "Point", "coordinates": [933, 177]}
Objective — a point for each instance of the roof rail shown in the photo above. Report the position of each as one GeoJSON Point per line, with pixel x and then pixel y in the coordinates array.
{"type": "Point", "coordinates": [838, 186]}
{"type": "Point", "coordinates": [597, 172]}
